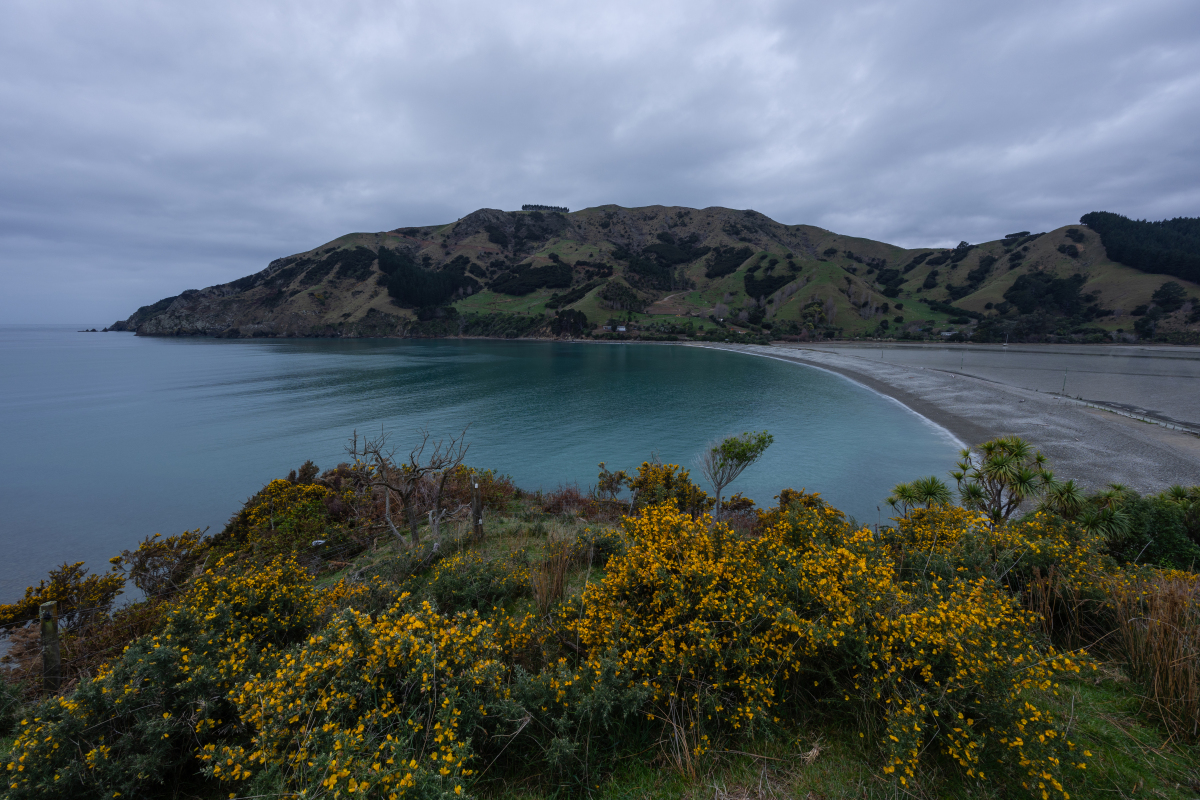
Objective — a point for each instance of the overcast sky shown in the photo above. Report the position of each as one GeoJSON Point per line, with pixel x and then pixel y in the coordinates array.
{"type": "Point", "coordinates": [149, 148]}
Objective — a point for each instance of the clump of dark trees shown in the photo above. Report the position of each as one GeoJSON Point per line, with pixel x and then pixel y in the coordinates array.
{"type": "Point", "coordinates": [766, 277]}
{"type": "Point", "coordinates": [536, 207]}
{"type": "Point", "coordinates": [1044, 305]}
{"type": "Point", "coordinates": [1168, 298]}
{"type": "Point", "coordinates": [1037, 305]}
{"type": "Point", "coordinates": [726, 260]}
{"type": "Point", "coordinates": [414, 285]}
{"type": "Point", "coordinates": [655, 267]}
{"type": "Point", "coordinates": [526, 278]}
{"type": "Point", "coordinates": [573, 296]}
{"type": "Point", "coordinates": [1170, 247]}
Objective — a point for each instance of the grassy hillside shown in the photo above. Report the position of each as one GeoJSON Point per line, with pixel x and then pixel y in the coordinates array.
{"type": "Point", "coordinates": [669, 268]}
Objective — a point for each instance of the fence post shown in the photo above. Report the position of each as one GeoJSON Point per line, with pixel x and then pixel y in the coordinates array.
{"type": "Point", "coordinates": [476, 513]}
{"type": "Point", "coordinates": [51, 657]}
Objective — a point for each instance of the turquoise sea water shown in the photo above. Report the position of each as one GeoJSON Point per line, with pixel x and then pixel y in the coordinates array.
{"type": "Point", "coordinates": [108, 438]}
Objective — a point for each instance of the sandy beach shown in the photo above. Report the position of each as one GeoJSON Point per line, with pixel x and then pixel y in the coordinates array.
{"type": "Point", "coordinates": [1093, 446]}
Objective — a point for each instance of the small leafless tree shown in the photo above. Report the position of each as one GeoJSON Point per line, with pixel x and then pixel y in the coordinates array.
{"type": "Point", "coordinates": [427, 467]}
{"type": "Point", "coordinates": [444, 461]}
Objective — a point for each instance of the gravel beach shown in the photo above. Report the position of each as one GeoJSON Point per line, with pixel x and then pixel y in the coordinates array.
{"type": "Point", "coordinates": [1095, 447]}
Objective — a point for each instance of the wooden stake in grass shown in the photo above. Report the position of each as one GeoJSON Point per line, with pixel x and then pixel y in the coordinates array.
{"type": "Point", "coordinates": [51, 656]}
{"type": "Point", "coordinates": [476, 512]}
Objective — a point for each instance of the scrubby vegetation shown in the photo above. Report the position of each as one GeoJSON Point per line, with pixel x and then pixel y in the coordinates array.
{"type": "Point", "coordinates": [1038, 292]}
{"type": "Point", "coordinates": [764, 279]}
{"type": "Point", "coordinates": [536, 207]}
{"type": "Point", "coordinates": [312, 649]}
{"type": "Point", "coordinates": [573, 296]}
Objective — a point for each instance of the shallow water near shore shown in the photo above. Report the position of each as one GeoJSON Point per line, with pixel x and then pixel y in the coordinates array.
{"type": "Point", "coordinates": [109, 437]}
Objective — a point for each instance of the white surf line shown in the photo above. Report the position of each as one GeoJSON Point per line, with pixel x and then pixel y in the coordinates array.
{"type": "Point", "coordinates": [942, 431]}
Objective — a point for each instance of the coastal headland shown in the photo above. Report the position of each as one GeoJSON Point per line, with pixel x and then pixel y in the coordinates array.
{"type": "Point", "coordinates": [1092, 442]}
{"type": "Point", "coordinates": [712, 273]}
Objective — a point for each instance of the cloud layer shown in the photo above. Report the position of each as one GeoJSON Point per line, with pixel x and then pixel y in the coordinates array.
{"type": "Point", "coordinates": [153, 147]}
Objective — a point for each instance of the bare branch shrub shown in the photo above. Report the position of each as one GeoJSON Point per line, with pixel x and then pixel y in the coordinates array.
{"type": "Point", "coordinates": [417, 482]}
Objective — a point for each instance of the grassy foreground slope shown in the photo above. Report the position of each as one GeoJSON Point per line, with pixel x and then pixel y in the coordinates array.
{"type": "Point", "coordinates": [673, 270]}
{"type": "Point", "coordinates": [622, 643]}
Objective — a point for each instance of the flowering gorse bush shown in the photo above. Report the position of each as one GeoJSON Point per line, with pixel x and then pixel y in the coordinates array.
{"type": "Point", "coordinates": [287, 517]}
{"type": "Point", "coordinates": [138, 724]}
{"type": "Point", "coordinates": [657, 483]}
{"type": "Point", "coordinates": [965, 541]}
{"type": "Point", "coordinates": [423, 671]}
{"type": "Point", "coordinates": [1056, 568]}
{"type": "Point", "coordinates": [382, 706]}
{"type": "Point", "coordinates": [750, 631]}
{"type": "Point", "coordinates": [81, 597]}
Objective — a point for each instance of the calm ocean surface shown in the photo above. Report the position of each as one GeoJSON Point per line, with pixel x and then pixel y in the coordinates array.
{"type": "Point", "coordinates": [108, 438]}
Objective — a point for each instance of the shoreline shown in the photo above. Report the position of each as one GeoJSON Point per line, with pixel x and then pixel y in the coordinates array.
{"type": "Point", "coordinates": [1091, 445]}
{"type": "Point", "coordinates": [963, 430]}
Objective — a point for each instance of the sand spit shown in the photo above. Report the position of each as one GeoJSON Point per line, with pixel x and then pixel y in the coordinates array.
{"type": "Point", "coordinates": [1093, 446]}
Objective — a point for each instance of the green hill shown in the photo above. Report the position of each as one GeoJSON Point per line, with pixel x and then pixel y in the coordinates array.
{"type": "Point", "coordinates": [679, 270]}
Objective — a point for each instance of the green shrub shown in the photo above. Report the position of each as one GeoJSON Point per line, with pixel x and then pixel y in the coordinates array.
{"type": "Point", "coordinates": [467, 580]}
{"type": "Point", "coordinates": [10, 707]}
{"type": "Point", "coordinates": [597, 547]}
{"type": "Point", "coordinates": [287, 517]}
{"type": "Point", "coordinates": [1155, 531]}
{"type": "Point", "coordinates": [581, 722]}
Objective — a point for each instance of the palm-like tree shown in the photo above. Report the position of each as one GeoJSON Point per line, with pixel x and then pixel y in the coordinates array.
{"type": "Point", "coordinates": [903, 499]}
{"type": "Point", "coordinates": [929, 491]}
{"type": "Point", "coordinates": [1003, 474]}
{"type": "Point", "coordinates": [1105, 513]}
{"type": "Point", "coordinates": [1065, 498]}
{"type": "Point", "coordinates": [1189, 501]}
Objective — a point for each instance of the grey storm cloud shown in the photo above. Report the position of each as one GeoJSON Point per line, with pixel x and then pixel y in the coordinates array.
{"type": "Point", "coordinates": [153, 147]}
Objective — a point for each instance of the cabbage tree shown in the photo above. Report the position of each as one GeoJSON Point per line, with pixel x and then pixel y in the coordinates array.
{"type": "Point", "coordinates": [1003, 474]}
{"type": "Point", "coordinates": [723, 461]}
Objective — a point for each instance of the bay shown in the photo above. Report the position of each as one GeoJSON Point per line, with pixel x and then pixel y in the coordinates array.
{"type": "Point", "coordinates": [108, 437]}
